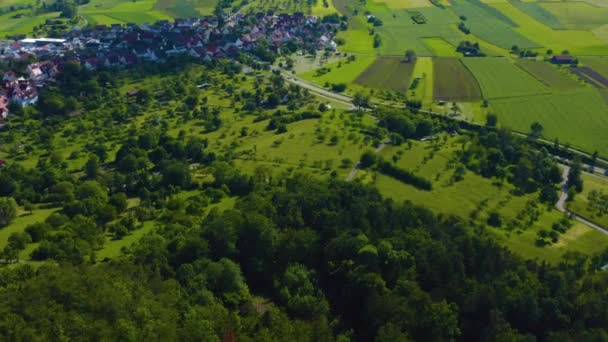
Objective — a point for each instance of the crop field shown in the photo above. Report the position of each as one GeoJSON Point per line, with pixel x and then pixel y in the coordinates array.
{"type": "Point", "coordinates": [580, 205]}
{"type": "Point", "coordinates": [440, 47]}
{"type": "Point", "coordinates": [453, 82]}
{"type": "Point", "coordinates": [550, 75]}
{"type": "Point", "coordinates": [591, 76]}
{"type": "Point", "coordinates": [491, 25]}
{"type": "Point", "coordinates": [539, 12]}
{"type": "Point", "coordinates": [579, 117]}
{"type": "Point", "coordinates": [499, 78]}
{"type": "Point", "coordinates": [424, 90]}
{"type": "Point", "coordinates": [577, 15]}
{"type": "Point", "coordinates": [475, 192]}
{"type": "Point", "coordinates": [600, 65]}
{"type": "Point", "coordinates": [578, 42]}
{"type": "Point", "coordinates": [387, 73]}
{"type": "Point", "coordinates": [185, 8]}
{"type": "Point", "coordinates": [401, 4]}
{"type": "Point", "coordinates": [142, 11]}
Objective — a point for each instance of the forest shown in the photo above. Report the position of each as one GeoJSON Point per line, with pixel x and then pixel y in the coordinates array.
{"type": "Point", "coordinates": [297, 258]}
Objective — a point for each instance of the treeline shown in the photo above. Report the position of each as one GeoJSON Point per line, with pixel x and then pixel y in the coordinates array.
{"type": "Point", "coordinates": [500, 154]}
{"type": "Point", "coordinates": [405, 176]}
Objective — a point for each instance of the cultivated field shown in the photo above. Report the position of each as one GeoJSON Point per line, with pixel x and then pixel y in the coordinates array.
{"type": "Point", "coordinates": [579, 117]}
{"type": "Point", "coordinates": [453, 82]}
{"type": "Point", "coordinates": [387, 73]}
{"type": "Point", "coordinates": [340, 72]}
{"type": "Point", "coordinates": [499, 78]}
{"type": "Point", "coordinates": [599, 65]}
{"type": "Point", "coordinates": [577, 15]}
{"type": "Point", "coordinates": [550, 75]}
{"type": "Point", "coordinates": [114, 12]}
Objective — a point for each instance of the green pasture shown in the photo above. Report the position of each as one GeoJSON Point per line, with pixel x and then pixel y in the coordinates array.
{"type": "Point", "coordinates": [440, 47]}
{"type": "Point", "coordinates": [115, 12]}
{"type": "Point", "coordinates": [577, 42]}
{"type": "Point", "coordinates": [452, 81]}
{"type": "Point", "coordinates": [579, 117]}
{"type": "Point", "coordinates": [500, 78]}
{"type": "Point", "coordinates": [341, 71]}
{"type": "Point", "coordinates": [387, 73]}
{"type": "Point", "coordinates": [580, 205]}
{"type": "Point", "coordinates": [540, 12]}
{"type": "Point", "coordinates": [577, 15]}
{"type": "Point", "coordinates": [550, 75]}
{"type": "Point", "coordinates": [423, 71]}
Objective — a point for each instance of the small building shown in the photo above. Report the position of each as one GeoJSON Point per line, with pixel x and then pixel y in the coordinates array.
{"type": "Point", "coordinates": [2, 163]}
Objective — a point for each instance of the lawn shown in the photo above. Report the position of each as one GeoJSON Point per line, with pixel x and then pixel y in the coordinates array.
{"type": "Point", "coordinates": [23, 25]}
{"type": "Point", "coordinates": [500, 78]}
{"type": "Point", "coordinates": [580, 205]}
{"type": "Point", "coordinates": [539, 12]}
{"type": "Point", "coordinates": [578, 117]}
{"type": "Point", "coordinates": [475, 193]}
{"type": "Point", "coordinates": [122, 12]}
{"type": "Point", "coordinates": [390, 73]}
{"type": "Point", "coordinates": [453, 82]}
{"type": "Point", "coordinates": [549, 74]}
{"type": "Point", "coordinates": [440, 47]}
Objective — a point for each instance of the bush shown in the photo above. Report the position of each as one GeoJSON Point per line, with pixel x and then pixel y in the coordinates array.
{"type": "Point", "coordinates": [405, 176]}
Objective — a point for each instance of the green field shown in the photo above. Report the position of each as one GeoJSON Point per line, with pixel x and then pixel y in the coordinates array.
{"type": "Point", "coordinates": [387, 73]}
{"type": "Point", "coordinates": [491, 25]}
{"type": "Point", "coordinates": [580, 205]}
{"type": "Point", "coordinates": [578, 42]}
{"type": "Point", "coordinates": [340, 72]}
{"type": "Point", "coordinates": [579, 118]}
{"type": "Point", "coordinates": [453, 82]}
{"type": "Point", "coordinates": [141, 11]}
{"type": "Point", "coordinates": [599, 64]}
{"type": "Point", "coordinates": [500, 78]}
{"type": "Point", "coordinates": [550, 75]}
{"type": "Point", "coordinates": [577, 15]}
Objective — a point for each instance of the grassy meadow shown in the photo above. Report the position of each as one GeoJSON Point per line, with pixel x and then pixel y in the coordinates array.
{"type": "Point", "coordinates": [580, 205]}
{"type": "Point", "coordinates": [452, 81]}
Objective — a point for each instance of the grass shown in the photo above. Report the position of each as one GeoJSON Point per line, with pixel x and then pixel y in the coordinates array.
{"type": "Point", "coordinates": [122, 12]}
{"type": "Point", "coordinates": [387, 73]}
{"type": "Point", "coordinates": [341, 72]}
{"type": "Point", "coordinates": [453, 82]}
{"type": "Point", "coordinates": [579, 117]}
{"type": "Point", "coordinates": [477, 193]}
{"type": "Point", "coordinates": [491, 25]}
{"type": "Point", "coordinates": [424, 72]}
{"type": "Point", "coordinates": [599, 64]}
{"type": "Point", "coordinates": [540, 13]}
{"type": "Point", "coordinates": [21, 222]}
{"type": "Point", "coordinates": [23, 25]}
{"type": "Point", "coordinates": [499, 78]}
{"type": "Point", "coordinates": [550, 75]}
{"type": "Point", "coordinates": [577, 15]}
{"type": "Point", "coordinates": [440, 47]}
{"type": "Point", "coordinates": [580, 204]}
{"type": "Point", "coordinates": [357, 40]}
{"type": "Point", "coordinates": [404, 4]}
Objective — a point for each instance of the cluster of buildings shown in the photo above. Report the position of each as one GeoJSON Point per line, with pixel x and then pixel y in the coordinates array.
{"type": "Point", "coordinates": [125, 45]}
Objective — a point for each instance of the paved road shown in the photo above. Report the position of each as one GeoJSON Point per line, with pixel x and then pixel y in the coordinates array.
{"type": "Point", "coordinates": [358, 167]}
{"type": "Point", "coordinates": [561, 203]}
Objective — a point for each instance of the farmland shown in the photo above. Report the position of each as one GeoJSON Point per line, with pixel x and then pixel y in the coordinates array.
{"type": "Point", "coordinates": [387, 73]}
{"type": "Point", "coordinates": [556, 113]}
{"type": "Point", "coordinates": [550, 75]}
{"type": "Point", "coordinates": [500, 78]}
{"type": "Point", "coordinates": [453, 82]}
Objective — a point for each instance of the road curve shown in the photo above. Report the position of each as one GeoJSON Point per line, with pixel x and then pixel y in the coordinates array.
{"type": "Point", "coordinates": [358, 166]}
{"type": "Point", "coordinates": [563, 197]}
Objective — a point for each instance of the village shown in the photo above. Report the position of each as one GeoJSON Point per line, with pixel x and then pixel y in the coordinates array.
{"type": "Point", "coordinates": [119, 46]}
